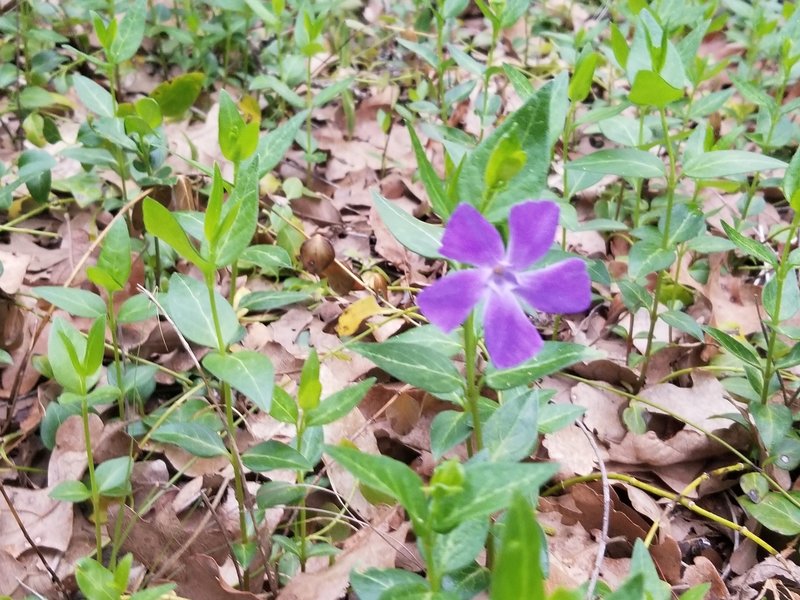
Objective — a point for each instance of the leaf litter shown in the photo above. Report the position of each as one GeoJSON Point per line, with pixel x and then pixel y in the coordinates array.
{"type": "Point", "coordinates": [184, 537]}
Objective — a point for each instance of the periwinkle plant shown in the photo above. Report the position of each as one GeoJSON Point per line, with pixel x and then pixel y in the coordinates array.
{"type": "Point", "coordinates": [502, 281]}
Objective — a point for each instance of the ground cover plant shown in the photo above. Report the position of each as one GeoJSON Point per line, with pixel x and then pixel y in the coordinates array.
{"type": "Point", "coordinates": [423, 299]}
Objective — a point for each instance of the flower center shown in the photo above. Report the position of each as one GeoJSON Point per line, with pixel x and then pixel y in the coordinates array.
{"type": "Point", "coordinates": [503, 277]}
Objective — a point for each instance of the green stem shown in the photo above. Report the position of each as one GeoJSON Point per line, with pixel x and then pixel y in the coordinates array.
{"type": "Point", "coordinates": [302, 517]}
{"type": "Point", "coordinates": [95, 492]}
{"type": "Point", "coordinates": [783, 270]}
{"type": "Point", "coordinates": [309, 105]}
{"type": "Point", "coordinates": [440, 25]}
{"type": "Point", "coordinates": [434, 577]}
{"type": "Point", "coordinates": [473, 391]}
{"type": "Point", "coordinates": [112, 326]}
{"type": "Point", "coordinates": [671, 182]}
{"type": "Point", "coordinates": [238, 476]}
{"type": "Point", "coordinates": [487, 75]}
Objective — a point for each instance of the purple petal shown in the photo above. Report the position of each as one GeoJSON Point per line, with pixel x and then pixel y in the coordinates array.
{"type": "Point", "coordinates": [510, 336]}
{"type": "Point", "coordinates": [470, 238]}
{"type": "Point", "coordinates": [560, 288]}
{"type": "Point", "coordinates": [532, 227]}
{"type": "Point", "coordinates": [447, 302]}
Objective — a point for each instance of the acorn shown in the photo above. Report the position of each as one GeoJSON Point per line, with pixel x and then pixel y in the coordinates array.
{"type": "Point", "coordinates": [375, 281]}
{"type": "Point", "coordinates": [316, 254]}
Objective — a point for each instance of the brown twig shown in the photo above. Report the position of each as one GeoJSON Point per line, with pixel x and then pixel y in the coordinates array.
{"type": "Point", "coordinates": [53, 576]}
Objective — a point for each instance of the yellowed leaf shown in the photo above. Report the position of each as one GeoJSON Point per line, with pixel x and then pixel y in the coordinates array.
{"type": "Point", "coordinates": [352, 317]}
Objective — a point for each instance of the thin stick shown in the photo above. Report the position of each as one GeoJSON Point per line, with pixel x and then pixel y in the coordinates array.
{"type": "Point", "coordinates": [601, 544]}
{"type": "Point", "coordinates": [53, 577]}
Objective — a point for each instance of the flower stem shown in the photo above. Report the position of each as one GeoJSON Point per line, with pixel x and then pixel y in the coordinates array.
{"type": "Point", "coordinates": [473, 392]}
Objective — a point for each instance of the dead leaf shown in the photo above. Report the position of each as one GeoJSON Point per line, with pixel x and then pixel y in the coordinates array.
{"type": "Point", "coordinates": [350, 320]}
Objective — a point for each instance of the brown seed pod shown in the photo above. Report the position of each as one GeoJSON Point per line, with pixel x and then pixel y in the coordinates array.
{"type": "Point", "coordinates": [316, 254]}
{"type": "Point", "coordinates": [376, 282]}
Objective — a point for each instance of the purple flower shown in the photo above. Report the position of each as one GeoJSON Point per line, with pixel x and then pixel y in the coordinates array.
{"type": "Point", "coordinates": [501, 280]}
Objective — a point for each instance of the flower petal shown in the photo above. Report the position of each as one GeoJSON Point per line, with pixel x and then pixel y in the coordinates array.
{"type": "Point", "coordinates": [510, 336]}
{"type": "Point", "coordinates": [447, 302]}
{"type": "Point", "coordinates": [532, 227]}
{"type": "Point", "coordinates": [470, 238]}
{"type": "Point", "coordinates": [564, 287]}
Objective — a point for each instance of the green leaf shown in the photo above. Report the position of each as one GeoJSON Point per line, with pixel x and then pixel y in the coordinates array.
{"type": "Point", "coordinates": [775, 512]}
{"type": "Point", "coordinates": [64, 345]}
{"type": "Point", "coordinates": [330, 92]}
{"type": "Point", "coordinates": [130, 33]}
{"type": "Point", "coordinates": [95, 581]}
{"type": "Point", "coordinates": [187, 303]}
{"type": "Point", "coordinates": [239, 218]}
{"type": "Point", "coordinates": [791, 182]}
{"type": "Point", "coordinates": [790, 297]}
{"type": "Point", "coordinates": [505, 162]}
{"type": "Point", "coordinates": [554, 357]}
{"type": "Point", "coordinates": [624, 162]}
{"type": "Point", "coordinates": [581, 82]}
{"type": "Point", "coordinates": [723, 163]}
{"type": "Point", "coordinates": [269, 301]}
{"type": "Point", "coordinates": [278, 493]}
{"type": "Point", "coordinates": [271, 455]}
{"type": "Point", "coordinates": [553, 417]}
{"type": "Point", "coordinates": [458, 548]}
{"type": "Point", "coordinates": [338, 405]}
{"type": "Point", "coordinates": [650, 89]}
{"type": "Point", "coordinates": [197, 439]}
{"type": "Point", "coordinates": [434, 187]}
{"type": "Point", "coordinates": [518, 569]}
{"type": "Point", "coordinates": [530, 123]}
{"type": "Point", "coordinates": [213, 208]}
{"type": "Point", "coordinates": [113, 477]}
{"type": "Point", "coordinates": [425, 52]}
{"type": "Point", "coordinates": [70, 491]}
{"type": "Point", "coordinates": [309, 390]}
{"type": "Point", "coordinates": [95, 346]}
{"type": "Point", "coordinates": [685, 223]}
{"type": "Point", "coordinates": [270, 259]}
{"type": "Point", "coordinates": [373, 583]}
{"type": "Point", "coordinates": [157, 592]}
{"type": "Point", "coordinates": [284, 407]}
{"type": "Point", "coordinates": [448, 429]}
{"type": "Point", "coordinates": [273, 146]}
{"type": "Point", "coordinates": [115, 256]}
{"type": "Point", "coordinates": [388, 476]}
{"type": "Point", "coordinates": [683, 322]}
{"type": "Point", "coordinates": [741, 350]}
{"type": "Point", "coordinates": [642, 563]}
{"type": "Point", "coordinates": [93, 96]}
{"type": "Point", "coordinates": [750, 247]}
{"type": "Point", "coordinates": [270, 82]}
{"type": "Point", "coordinates": [177, 95]}
{"type": "Point", "coordinates": [238, 140]}
{"type": "Point", "coordinates": [248, 372]}
{"type": "Point", "coordinates": [648, 257]}
{"type": "Point", "coordinates": [421, 238]}
{"type": "Point", "coordinates": [136, 308]}
{"type": "Point", "coordinates": [511, 432]}
{"type": "Point", "coordinates": [77, 302]}
{"type": "Point", "coordinates": [161, 223]}
{"type": "Point", "coordinates": [488, 489]}
{"type": "Point", "coordinates": [415, 364]}
{"type": "Point", "coordinates": [773, 422]}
